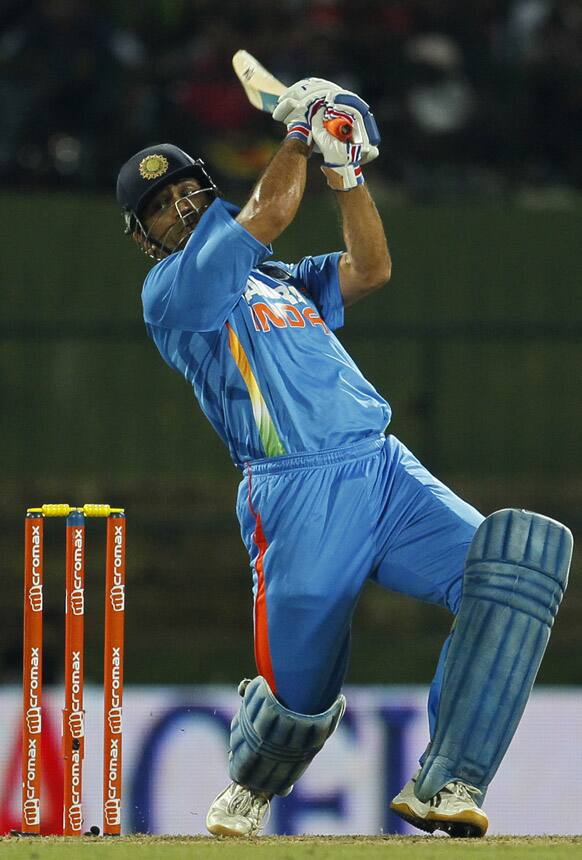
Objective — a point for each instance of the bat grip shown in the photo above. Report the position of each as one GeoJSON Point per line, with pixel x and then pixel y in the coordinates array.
{"type": "Point", "coordinates": [340, 128]}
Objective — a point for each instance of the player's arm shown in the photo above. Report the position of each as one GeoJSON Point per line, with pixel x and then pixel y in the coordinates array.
{"type": "Point", "coordinates": [276, 197]}
{"type": "Point", "coordinates": [366, 265]}
{"type": "Point", "coordinates": [221, 252]}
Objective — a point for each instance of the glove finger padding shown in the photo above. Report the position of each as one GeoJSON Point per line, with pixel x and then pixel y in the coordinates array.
{"type": "Point", "coordinates": [341, 159]}
{"type": "Point", "coordinates": [334, 151]}
{"type": "Point", "coordinates": [300, 127]}
{"type": "Point", "coordinates": [351, 104]}
{"type": "Point", "coordinates": [293, 103]}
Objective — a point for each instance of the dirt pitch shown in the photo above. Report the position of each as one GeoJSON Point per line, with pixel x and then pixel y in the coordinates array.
{"type": "Point", "coordinates": [292, 848]}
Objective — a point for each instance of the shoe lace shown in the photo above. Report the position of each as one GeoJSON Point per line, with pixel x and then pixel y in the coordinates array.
{"type": "Point", "coordinates": [464, 791]}
{"type": "Point", "coordinates": [246, 802]}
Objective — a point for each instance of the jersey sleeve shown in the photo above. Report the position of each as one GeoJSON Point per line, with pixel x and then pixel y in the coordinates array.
{"type": "Point", "coordinates": [319, 276]}
{"type": "Point", "coordinates": [196, 289]}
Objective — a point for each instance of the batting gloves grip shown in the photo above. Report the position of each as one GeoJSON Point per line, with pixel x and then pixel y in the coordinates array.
{"type": "Point", "coordinates": [300, 102]}
{"type": "Point", "coordinates": [341, 160]}
{"type": "Point", "coordinates": [301, 129]}
{"type": "Point", "coordinates": [350, 107]}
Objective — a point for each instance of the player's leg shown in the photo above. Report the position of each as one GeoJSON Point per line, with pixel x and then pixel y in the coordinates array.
{"type": "Point", "coordinates": [424, 534]}
{"type": "Point", "coordinates": [310, 542]}
{"type": "Point", "coordinates": [515, 576]}
{"type": "Point", "coordinates": [309, 536]}
{"type": "Point", "coordinates": [512, 585]}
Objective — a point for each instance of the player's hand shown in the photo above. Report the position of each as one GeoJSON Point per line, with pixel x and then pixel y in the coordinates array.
{"type": "Point", "coordinates": [341, 159]}
{"type": "Point", "coordinates": [354, 110]}
{"type": "Point", "coordinates": [292, 104]}
{"type": "Point", "coordinates": [298, 104]}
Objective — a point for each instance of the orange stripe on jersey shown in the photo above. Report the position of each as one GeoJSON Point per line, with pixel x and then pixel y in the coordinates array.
{"type": "Point", "coordinates": [262, 648]}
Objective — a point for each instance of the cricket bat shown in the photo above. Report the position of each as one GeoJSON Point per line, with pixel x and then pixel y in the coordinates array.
{"type": "Point", "coordinates": [263, 90]}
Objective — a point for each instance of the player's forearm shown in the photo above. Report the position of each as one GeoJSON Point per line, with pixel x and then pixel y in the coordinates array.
{"type": "Point", "coordinates": [367, 259]}
{"type": "Point", "coordinates": [276, 197]}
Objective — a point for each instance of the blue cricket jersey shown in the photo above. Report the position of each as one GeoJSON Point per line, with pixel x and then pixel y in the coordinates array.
{"type": "Point", "coordinates": [254, 340]}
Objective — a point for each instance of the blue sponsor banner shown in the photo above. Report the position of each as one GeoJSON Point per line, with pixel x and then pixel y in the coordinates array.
{"type": "Point", "coordinates": [176, 760]}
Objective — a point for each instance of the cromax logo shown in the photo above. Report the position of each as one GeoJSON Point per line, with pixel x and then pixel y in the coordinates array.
{"type": "Point", "coordinates": [77, 599]}
{"type": "Point", "coordinates": [35, 592]}
{"type": "Point", "coordinates": [116, 684]}
{"type": "Point", "coordinates": [32, 811]}
{"type": "Point", "coordinates": [34, 682]}
{"type": "Point", "coordinates": [76, 691]}
{"type": "Point", "coordinates": [75, 816]}
{"type": "Point", "coordinates": [32, 802]}
{"type": "Point", "coordinates": [76, 778]}
{"type": "Point", "coordinates": [112, 809]}
{"type": "Point", "coordinates": [112, 804]}
{"type": "Point", "coordinates": [117, 593]}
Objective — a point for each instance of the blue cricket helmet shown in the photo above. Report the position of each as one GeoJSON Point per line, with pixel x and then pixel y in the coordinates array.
{"type": "Point", "coordinates": [144, 175]}
{"type": "Point", "coordinates": [146, 172]}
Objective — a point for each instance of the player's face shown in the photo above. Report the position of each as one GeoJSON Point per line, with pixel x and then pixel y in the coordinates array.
{"type": "Point", "coordinates": [173, 213]}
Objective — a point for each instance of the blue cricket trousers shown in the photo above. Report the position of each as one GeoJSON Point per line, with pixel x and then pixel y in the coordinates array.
{"type": "Point", "coordinates": [316, 527]}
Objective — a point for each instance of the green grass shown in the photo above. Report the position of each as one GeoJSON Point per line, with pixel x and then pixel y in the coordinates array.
{"type": "Point", "coordinates": [293, 848]}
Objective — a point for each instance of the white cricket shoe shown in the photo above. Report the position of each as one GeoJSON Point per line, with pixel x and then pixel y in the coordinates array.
{"type": "Point", "coordinates": [237, 811]}
{"type": "Point", "coordinates": [452, 809]}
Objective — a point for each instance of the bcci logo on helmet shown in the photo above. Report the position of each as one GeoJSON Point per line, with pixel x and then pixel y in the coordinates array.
{"type": "Point", "coordinates": [153, 166]}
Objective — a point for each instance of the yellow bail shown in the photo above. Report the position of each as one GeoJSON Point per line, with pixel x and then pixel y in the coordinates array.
{"type": "Point", "coordinates": [63, 510]}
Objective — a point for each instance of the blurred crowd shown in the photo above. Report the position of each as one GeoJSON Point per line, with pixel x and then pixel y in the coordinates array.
{"type": "Point", "coordinates": [482, 96]}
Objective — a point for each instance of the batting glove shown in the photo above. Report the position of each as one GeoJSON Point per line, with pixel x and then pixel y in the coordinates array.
{"type": "Point", "coordinates": [342, 161]}
{"type": "Point", "coordinates": [350, 108]}
{"type": "Point", "coordinates": [299, 103]}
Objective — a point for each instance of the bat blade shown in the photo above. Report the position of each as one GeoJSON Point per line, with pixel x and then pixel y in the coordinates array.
{"type": "Point", "coordinates": [262, 88]}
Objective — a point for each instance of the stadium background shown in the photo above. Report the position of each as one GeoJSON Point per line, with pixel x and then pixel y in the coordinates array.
{"type": "Point", "coordinates": [476, 342]}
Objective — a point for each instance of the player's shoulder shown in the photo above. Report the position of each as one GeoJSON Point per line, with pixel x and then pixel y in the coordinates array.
{"type": "Point", "coordinates": [157, 285]}
{"type": "Point", "coordinates": [160, 271]}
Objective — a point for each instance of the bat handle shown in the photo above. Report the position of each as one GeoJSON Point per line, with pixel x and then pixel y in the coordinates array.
{"type": "Point", "coordinates": [340, 128]}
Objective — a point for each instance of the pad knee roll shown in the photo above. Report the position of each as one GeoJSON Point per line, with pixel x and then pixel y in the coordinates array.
{"type": "Point", "coordinates": [515, 576]}
{"type": "Point", "coordinates": [270, 746]}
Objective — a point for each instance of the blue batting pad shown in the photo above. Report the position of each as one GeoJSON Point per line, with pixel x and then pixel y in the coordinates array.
{"type": "Point", "coordinates": [270, 746]}
{"type": "Point", "coordinates": [515, 576]}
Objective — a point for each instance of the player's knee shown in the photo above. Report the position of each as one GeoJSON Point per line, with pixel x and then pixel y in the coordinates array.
{"type": "Point", "coordinates": [271, 746]}
{"type": "Point", "coordinates": [521, 559]}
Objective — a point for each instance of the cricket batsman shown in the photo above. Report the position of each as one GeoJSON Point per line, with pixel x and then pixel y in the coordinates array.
{"type": "Point", "coordinates": [327, 501]}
